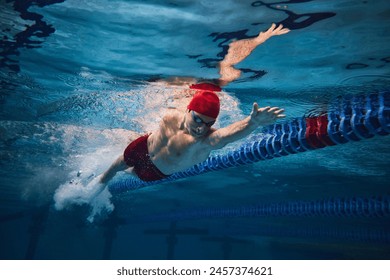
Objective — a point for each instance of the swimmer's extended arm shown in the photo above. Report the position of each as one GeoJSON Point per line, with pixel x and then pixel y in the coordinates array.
{"type": "Point", "coordinates": [239, 50]}
{"type": "Point", "coordinates": [238, 130]}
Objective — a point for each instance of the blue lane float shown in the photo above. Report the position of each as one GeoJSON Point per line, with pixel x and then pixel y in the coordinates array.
{"type": "Point", "coordinates": [332, 232]}
{"type": "Point", "coordinates": [351, 118]}
{"type": "Point", "coordinates": [343, 207]}
{"type": "Point", "coordinates": [362, 207]}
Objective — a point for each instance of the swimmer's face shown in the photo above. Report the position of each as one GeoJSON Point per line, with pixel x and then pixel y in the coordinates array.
{"type": "Point", "coordinates": [198, 125]}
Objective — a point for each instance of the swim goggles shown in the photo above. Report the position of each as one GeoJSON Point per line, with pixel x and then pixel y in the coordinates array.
{"type": "Point", "coordinates": [199, 120]}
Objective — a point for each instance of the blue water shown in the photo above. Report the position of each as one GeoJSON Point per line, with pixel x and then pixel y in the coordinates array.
{"type": "Point", "coordinates": [76, 77]}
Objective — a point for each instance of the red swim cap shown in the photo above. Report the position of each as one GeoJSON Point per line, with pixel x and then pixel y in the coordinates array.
{"type": "Point", "coordinates": [205, 103]}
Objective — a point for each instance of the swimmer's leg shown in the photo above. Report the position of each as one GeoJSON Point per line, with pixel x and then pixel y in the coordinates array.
{"type": "Point", "coordinates": [118, 165]}
{"type": "Point", "coordinates": [100, 182]}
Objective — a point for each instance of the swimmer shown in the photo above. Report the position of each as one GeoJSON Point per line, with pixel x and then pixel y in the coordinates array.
{"type": "Point", "coordinates": [184, 139]}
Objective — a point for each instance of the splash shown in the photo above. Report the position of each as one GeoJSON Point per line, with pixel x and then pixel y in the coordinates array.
{"type": "Point", "coordinates": [82, 186]}
{"type": "Point", "coordinates": [76, 192]}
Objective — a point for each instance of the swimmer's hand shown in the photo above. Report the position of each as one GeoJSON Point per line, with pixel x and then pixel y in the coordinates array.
{"type": "Point", "coordinates": [266, 115]}
{"type": "Point", "coordinates": [272, 31]}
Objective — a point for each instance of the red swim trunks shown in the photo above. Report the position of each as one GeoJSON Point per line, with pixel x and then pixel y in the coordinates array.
{"type": "Point", "coordinates": [137, 155]}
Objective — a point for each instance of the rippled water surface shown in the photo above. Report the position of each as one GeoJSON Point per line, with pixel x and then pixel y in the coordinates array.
{"type": "Point", "coordinates": [76, 82]}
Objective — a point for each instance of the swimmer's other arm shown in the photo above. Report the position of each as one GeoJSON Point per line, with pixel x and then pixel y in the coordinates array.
{"type": "Point", "coordinates": [238, 130]}
{"type": "Point", "coordinates": [239, 50]}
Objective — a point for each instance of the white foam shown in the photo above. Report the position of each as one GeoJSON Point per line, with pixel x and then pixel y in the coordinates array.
{"type": "Point", "coordinates": [76, 192]}
{"type": "Point", "coordinates": [82, 186]}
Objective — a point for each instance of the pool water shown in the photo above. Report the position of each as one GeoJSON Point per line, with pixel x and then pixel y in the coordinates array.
{"type": "Point", "coordinates": [76, 77]}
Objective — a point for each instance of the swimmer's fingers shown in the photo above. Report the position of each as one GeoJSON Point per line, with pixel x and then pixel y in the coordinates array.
{"type": "Point", "coordinates": [283, 31]}
{"type": "Point", "coordinates": [267, 109]}
{"type": "Point", "coordinates": [280, 27]}
{"type": "Point", "coordinates": [272, 31]}
{"type": "Point", "coordinates": [280, 30]}
{"type": "Point", "coordinates": [264, 109]}
{"type": "Point", "coordinates": [278, 113]}
{"type": "Point", "coordinates": [275, 112]}
{"type": "Point", "coordinates": [274, 109]}
{"type": "Point", "coordinates": [266, 115]}
{"type": "Point", "coordinates": [267, 33]}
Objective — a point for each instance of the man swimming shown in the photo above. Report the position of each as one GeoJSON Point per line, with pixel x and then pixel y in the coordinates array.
{"type": "Point", "coordinates": [184, 139]}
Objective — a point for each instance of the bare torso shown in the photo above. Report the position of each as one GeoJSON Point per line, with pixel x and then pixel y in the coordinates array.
{"type": "Point", "coordinates": [172, 148]}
